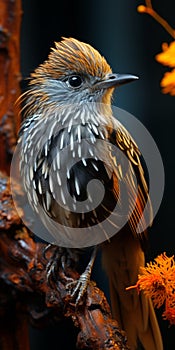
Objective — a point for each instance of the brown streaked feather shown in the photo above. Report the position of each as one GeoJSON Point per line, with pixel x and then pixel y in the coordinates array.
{"type": "Point", "coordinates": [138, 193]}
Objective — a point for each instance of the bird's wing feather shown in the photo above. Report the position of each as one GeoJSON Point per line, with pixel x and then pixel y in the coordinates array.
{"type": "Point", "coordinates": [123, 255]}
{"type": "Point", "coordinates": [132, 177]}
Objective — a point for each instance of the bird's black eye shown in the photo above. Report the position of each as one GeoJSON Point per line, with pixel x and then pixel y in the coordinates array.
{"type": "Point", "coordinates": [75, 81]}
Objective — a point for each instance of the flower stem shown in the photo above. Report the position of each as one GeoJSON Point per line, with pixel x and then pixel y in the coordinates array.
{"type": "Point", "coordinates": [149, 10]}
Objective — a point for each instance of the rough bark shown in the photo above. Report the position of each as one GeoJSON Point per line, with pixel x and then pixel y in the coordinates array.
{"type": "Point", "coordinates": [10, 20]}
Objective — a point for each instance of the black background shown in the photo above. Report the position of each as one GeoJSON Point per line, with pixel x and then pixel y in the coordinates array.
{"type": "Point", "coordinates": [129, 41]}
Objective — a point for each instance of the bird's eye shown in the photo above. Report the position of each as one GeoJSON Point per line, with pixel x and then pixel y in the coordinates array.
{"type": "Point", "coordinates": [75, 81]}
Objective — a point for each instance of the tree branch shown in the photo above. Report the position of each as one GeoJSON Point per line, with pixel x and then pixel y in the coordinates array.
{"type": "Point", "coordinates": [10, 21]}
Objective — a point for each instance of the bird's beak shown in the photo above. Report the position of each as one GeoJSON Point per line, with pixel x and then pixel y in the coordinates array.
{"type": "Point", "coordinates": [114, 80]}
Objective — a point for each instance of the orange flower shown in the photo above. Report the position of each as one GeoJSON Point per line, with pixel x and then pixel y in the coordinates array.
{"type": "Point", "coordinates": [157, 280]}
{"type": "Point", "coordinates": [169, 313]}
{"type": "Point", "coordinates": [167, 56]}
{"type": "Point", "coordinates": [168, 83]}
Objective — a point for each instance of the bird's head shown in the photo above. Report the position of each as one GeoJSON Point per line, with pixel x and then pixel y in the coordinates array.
{"type": "Point", "coordinates": [74, 73]}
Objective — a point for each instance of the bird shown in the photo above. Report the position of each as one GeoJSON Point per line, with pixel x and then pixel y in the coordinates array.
{"type": "Point", "coordinates": [69, 138]}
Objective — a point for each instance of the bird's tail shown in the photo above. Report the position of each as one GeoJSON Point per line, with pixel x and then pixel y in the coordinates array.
{"type": "Point", "coordinates": [122, 258]}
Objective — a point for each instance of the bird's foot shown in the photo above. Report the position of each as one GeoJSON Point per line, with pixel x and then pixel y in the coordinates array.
{"type": "Point", "coordinates": [80, 286]}
{"type": "Point", "coordinates": [58, 261]}
{"type": "Point", "coordinates": [60, 258]}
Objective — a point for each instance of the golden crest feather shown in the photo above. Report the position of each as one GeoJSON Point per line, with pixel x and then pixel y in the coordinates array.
{"type": "Point", "coordinates": [72, 55]}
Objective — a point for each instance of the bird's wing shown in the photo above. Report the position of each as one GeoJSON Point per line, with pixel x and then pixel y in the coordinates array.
{"type": "Point", "coordinates": [123, 255]}
{"type": "Point", "coordinates": [130, 176]}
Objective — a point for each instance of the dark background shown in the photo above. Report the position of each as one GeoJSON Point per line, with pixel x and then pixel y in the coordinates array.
{"type": "Point", "coordinates": [129, 41]}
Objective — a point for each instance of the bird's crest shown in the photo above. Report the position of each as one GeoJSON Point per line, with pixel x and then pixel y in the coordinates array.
{"type": "Point", "coordinates": [72, 55]}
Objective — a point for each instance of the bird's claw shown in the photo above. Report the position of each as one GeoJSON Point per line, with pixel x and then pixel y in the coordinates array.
{"type": "Point", "coordinates": [58, 262]}
{"type": "Point", "coordinates": [82, 283]}
{"type": "Point", "coordinates": [79, 288]}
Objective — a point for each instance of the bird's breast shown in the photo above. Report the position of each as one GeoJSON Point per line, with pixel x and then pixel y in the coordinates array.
{"type": "Point", "coordinates": [70, 171]}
